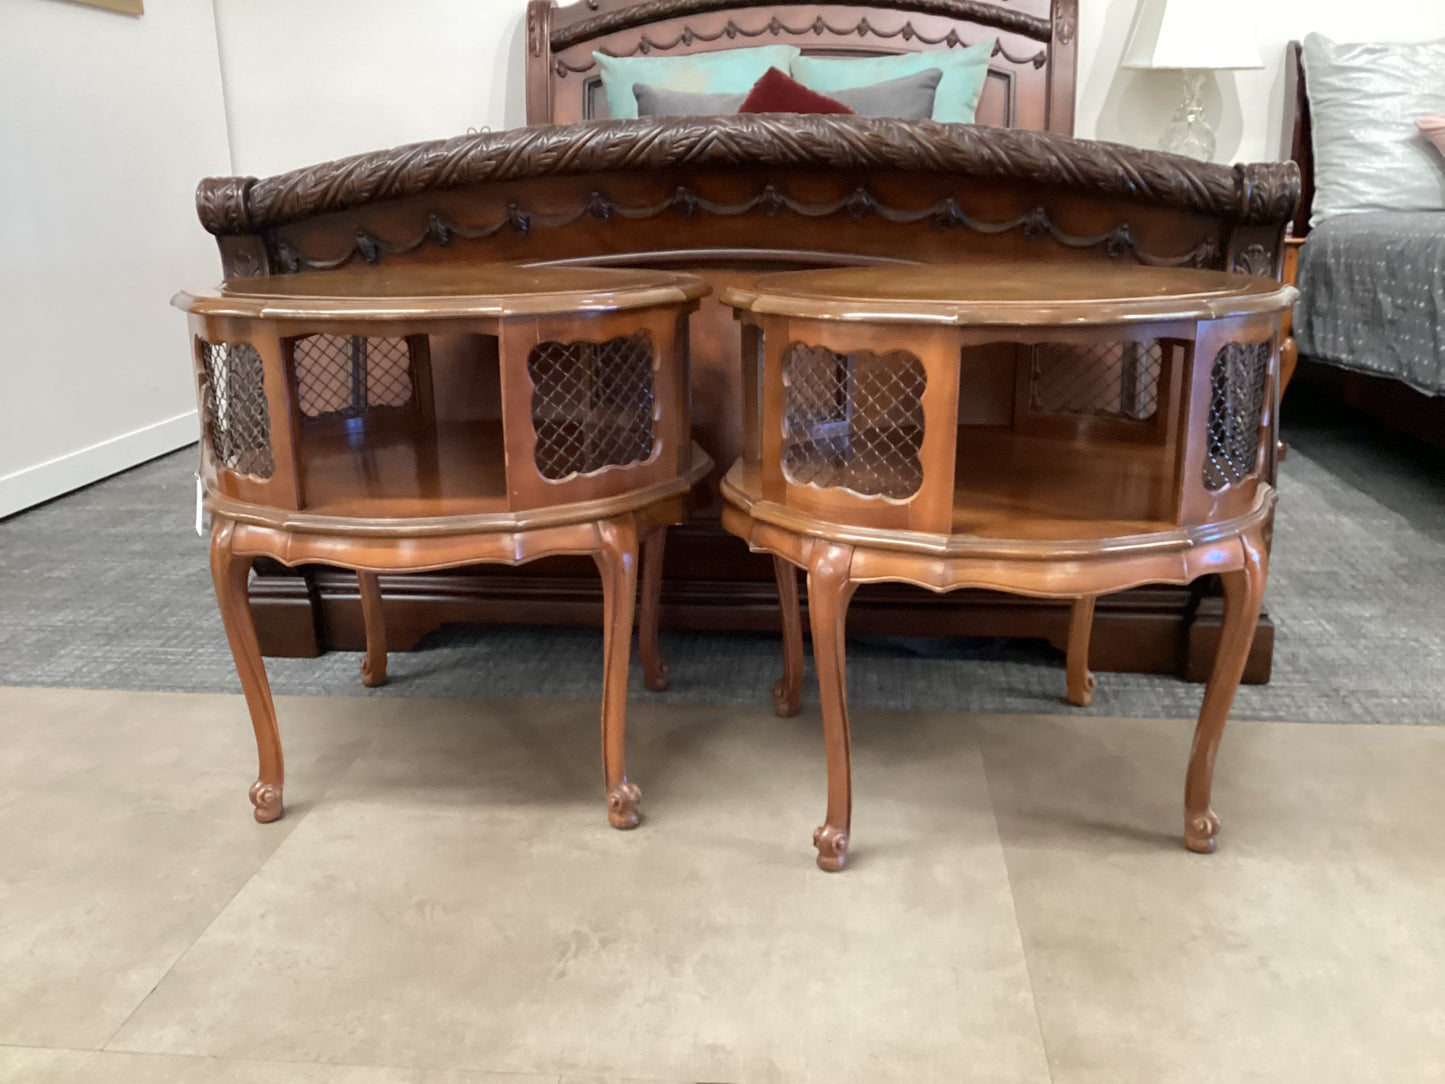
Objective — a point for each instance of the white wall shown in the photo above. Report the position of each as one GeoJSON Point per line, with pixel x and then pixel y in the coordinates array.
{"type": "Point", "coordinates": [106, 123]}
{"type": "Point", "coordinates": [310, 80]}
{"type": "Point", "coordinates": [1248, 106]}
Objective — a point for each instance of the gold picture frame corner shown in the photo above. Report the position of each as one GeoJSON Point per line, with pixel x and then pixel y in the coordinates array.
{"type": "Point", "coordinates": [124, 7]}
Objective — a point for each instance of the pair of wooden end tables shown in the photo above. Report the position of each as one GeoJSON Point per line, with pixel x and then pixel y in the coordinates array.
{"type": "Point", "coordinates": [1060, 431]}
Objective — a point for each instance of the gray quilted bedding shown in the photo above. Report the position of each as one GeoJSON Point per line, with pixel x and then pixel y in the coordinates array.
{"type": "Point", "coordinates": [1372, 296]}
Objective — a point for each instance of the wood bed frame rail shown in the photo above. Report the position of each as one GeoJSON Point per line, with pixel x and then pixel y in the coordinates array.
{"type": "Point", "coordinates": [1298, 136]}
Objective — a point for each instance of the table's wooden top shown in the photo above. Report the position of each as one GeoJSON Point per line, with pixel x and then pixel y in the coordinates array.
{"type": "Point", "coordinates": [486, 290]}
{"type": "Point", "coordinates": [1010, 294]}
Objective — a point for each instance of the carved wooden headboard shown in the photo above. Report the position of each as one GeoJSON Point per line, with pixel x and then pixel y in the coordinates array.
{"type": "Point", "coordinates": [1031, 74]}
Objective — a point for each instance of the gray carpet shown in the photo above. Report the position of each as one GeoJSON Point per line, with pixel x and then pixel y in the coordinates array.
{"type": "Point", "coordinates": [108, 588]}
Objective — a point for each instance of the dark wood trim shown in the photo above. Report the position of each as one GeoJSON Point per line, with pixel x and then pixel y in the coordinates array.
{"type": "Point", "coordinates": [1260, 194]}
{"type": "Point", "coordinates": [1167, 630]}
{"type": "Point", "coordinates": [1395, 405]}
{"type": "Point", "coordinates": [577, 23]}
{"type": "Point", "coordinates": [1063, 66]}
{"type": "Point", "coordinates": [289, 624]}
{"type": "Point", "coordinates": [1201, 638]}
{"type": "Point", "coordinates": [1298, 137]}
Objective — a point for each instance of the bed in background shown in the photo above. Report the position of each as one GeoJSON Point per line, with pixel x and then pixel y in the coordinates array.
{"type": "Point", "coordinates": [730, 197]}
{"type": "Point", "coordinates": [1371, 318]}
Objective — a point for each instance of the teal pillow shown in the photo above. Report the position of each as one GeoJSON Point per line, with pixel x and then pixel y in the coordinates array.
{"type": "Point", "coordinates": [964, 71]}
{"type": "Point", "coordinates": [728, 71]}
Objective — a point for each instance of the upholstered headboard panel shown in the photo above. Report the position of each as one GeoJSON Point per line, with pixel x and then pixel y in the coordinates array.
{"type": "Point", "coordinates": [1031, 74]}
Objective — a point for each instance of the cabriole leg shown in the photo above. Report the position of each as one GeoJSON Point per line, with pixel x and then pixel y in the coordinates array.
{"type": "Point", "coordinates": [373, 663]}
{"type": "Point", "coordinates": [1080, 678]}
{"type": "Point", "coordinates": [654, 667]}
{"type": "Point", "coordinates": [788, 692]}
{"type": "Point", "coordinates": [617, 562]}
{"type": "Point", "coordinates": [228, 573]}
{"type": "Point", "coordinates": [1243, 594]}
{"type": "Point", "coordinates": [829, 592]}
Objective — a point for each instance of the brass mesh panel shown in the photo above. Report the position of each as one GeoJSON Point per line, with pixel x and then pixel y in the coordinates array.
{"type": "Point", "coordinates": [1236, 404]}
{"type": "Point", "coordinates": [853, 421]}
{"type": "Point", "coordinates": [592, 404]}
{"type": "Point", "coordinates": [350, 374]}
{"type": "Point", "coordinates": [237, 420]}
{"type": "Point", "coordinates": [1109, 380]}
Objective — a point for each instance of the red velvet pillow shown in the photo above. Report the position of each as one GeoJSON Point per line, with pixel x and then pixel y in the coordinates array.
{"type": "Point", "coordinates": [778, 93]}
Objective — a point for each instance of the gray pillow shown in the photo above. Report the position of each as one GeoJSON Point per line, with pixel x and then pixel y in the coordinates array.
{"type": "Point", "coordinates": [909, 97]}
{"type": "Point", "coordinates": [1364, 102]}
{"type": "Point", "coordinates": [661, 102]}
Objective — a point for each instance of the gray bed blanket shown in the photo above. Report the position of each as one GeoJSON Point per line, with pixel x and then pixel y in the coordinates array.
{"type": "Point", "coordinates": [1372, 296]}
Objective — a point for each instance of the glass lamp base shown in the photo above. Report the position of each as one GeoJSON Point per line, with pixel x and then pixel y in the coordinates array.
{"type": "Point", "coordinates": [1188, 132]}
{"type": "Point", "coordinates": [1195, 139]}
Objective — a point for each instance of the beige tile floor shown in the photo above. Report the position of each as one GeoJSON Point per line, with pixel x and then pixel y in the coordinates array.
{"type": "Point", "coordinates": [444, 904]}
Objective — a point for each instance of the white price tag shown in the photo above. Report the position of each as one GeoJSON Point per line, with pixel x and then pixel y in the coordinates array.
{"type": "Point", "coordinates": [200, 495]}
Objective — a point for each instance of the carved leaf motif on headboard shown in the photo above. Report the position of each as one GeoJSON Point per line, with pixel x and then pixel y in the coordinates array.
{"type": "Point", "coordinates": [1254, 260]}
{"type": "Point", "coordinates": [1262, 194]}
{"type": "Point", "coordinates": [775, 26]}
{"type": "Point", "coordinates": [223, 204]}
{"type": "Point", "coordinates": [655, 11]}
{"type": "Point", "coordinates": [1066, 24]}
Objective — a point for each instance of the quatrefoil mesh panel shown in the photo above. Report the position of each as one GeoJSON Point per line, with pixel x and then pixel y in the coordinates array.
{"type": "Point", "coordinates": [1109, 380]}
{"type": "Point", "coordinates": [592, 404]}
{"type": "Point", "coordinates": [350, 374]}
{"type": "Point", "coordinates": [853, 421]}
{"type": "Point", "coordinates": [1236, 404]}
{"type": "Point", "coordinates": [237, 421]}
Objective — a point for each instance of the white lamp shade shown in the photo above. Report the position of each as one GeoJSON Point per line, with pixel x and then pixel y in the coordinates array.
{"type": "Point", "coordinates": [1193, 34]}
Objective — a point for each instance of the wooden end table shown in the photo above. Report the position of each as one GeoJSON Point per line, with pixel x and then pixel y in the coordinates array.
{"type": "Point", "coordinates": [435, 417]}
{"type": "Point", "coordinates": [1059, 431]}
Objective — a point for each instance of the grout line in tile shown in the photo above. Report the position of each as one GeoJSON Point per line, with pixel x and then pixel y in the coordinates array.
{"type": "Point", "coordinates": [542, 1078]}
{"type": "Point", "coordinates": [295, 821]}
{"type": "Point", "coordinates": [1013, 901]}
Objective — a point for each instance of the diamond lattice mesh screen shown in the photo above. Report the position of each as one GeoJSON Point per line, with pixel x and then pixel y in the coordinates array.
{"type": "Point", "coordinates": [853, 421]}
{"type": "Point", "coordinates": [1112, 380]}
{"type": "Point", "coordinates": [1236, 404]}
{"type": "Point", "coordinates": [592, 404]}
{"type": "Point", "coordinates": [350, 374]}
{"type": "Point", "coordinates": [238, 421]}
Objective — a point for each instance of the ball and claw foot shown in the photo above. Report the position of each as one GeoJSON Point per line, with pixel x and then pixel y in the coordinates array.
{"type": "Point", "coordinates": [266, 797]}
{"type": "Point", "coordinates": [368, 678]}
{"type": "Point", "coordinates": [658, 679]}
{"type": "Point", "coordinates": [785, 706]}
{"type": "Point", "coordinates": [1200, 830]}
{"type": "Point", "coordinates": [1084, 696]}
{"type": "Point", "coordinates": [622, 803]}
{"type": "Point", "coordinates": [832, 844]}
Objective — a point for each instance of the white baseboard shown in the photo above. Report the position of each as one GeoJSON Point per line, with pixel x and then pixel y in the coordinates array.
{"type": "Point", "coordinates": [32, 485]}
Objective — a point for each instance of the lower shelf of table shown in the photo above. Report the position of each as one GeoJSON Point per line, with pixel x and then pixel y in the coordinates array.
{"type": "Point", "coordinates": [1013, 486]}
{"type": "Point", "coordinates": [458, 468]}
{"type": "Point", "coordinates": [1008, 485]}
